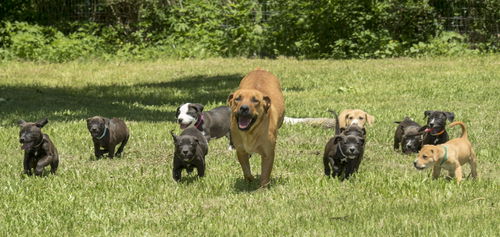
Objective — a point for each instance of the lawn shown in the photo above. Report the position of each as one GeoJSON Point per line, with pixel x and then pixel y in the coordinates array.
{"type": "Point", "coordinates": [136, 196]}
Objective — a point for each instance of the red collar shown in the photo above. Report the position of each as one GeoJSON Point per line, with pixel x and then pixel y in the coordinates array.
{"type": "Point", "coordinates": [435, 134]}
{"type": "Point", "coordinates": [199, 123]}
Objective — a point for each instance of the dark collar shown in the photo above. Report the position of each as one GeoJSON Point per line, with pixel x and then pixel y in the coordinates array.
{"type": "Point", "coordinates": [104, 133]}
{"type": "Point", "coordinates": [435, 134]}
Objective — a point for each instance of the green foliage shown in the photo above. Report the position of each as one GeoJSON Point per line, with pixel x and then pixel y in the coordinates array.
{"type": "Point", "coordinates": [446, 44]}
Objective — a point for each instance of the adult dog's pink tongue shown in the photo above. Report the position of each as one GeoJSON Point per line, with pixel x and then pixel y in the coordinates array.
{"type": "Point", "coordinates": [26, 146]}
{"type": "Point", "coordinates": [244, 122]}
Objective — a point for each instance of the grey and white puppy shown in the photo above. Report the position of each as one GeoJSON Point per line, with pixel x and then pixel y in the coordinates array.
{"type": "Point", "coordinates": [39, 151]}
{"type": "Point", "coordinates": [214, 123]}
{"type": "Point", "coordinates": [408, 136]}
{"type": "Point", "coordinates": [108, 133]}
{"type": "Point", "coordinates": [190, 150]}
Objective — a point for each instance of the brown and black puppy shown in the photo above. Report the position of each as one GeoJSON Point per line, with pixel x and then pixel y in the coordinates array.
{"type": "Point", "coordinates": [450, 156]}
{"type": "Point", "coordinates": [191, 147]}
{"type": "Point", "coordinates": [408, 136]}
{"type": "Point", "coordinates": [343, 152]}
{"type": "Point", "coordinates": [257, 111]}
{"type": "Point", "coordinates": [39, 151]}
{"type": "Point", "coordinates": [108, 133]}
{"type": "Point", "coordinates": [435, 129]}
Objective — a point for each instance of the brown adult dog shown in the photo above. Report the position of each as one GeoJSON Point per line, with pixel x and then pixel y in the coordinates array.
{"type": "Point", "coordinates": [449, 156]}
{"type": "Point", "coordinates": [257, 111]}
{"type": "Point", "coordinates": [355, 116]}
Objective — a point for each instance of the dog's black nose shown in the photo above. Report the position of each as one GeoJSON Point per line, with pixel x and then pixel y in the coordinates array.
{"type": "Point", "coordinates": [352, 149]}
{"type": "Point", "coordinates": [179, 120]}
{"type": "Point", "coordinates": [21, 140]}
{"type": "Point", "coordinates": [244, 109]}
{"type": "Point", "coordinates": [431, 125]}
{"type": "Point", "coordinates": [185, 152]}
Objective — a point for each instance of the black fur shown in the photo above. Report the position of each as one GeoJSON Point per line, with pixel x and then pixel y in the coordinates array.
{"type": "Point", "coordinates": [408, 136]}
{"type": "Point", "coordinates": [190, 150]}
{"type": "Point", "coordinates": [344, 152]}
{"type": "Point", "coordinates": [436, 123]}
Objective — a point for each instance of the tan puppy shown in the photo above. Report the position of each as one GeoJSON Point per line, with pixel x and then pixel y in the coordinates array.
{"type": "Point", "coordinates": [449, 156]}
{"type": "Point", "coordinates": [355, 116]}
{"type": "Point", "coordinates": [257, 111]}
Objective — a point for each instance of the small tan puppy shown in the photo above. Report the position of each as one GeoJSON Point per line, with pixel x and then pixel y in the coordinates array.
{"type": "Point", "coordinates": [449, 156]}
{"type": "Point", "coordinates": [355, 116]}
{"type": "Point", "coordinates": [257, 111]}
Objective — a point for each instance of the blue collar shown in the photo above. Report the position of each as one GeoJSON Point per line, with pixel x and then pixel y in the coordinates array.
{"type": "Point", "coordinates": [104, 133]}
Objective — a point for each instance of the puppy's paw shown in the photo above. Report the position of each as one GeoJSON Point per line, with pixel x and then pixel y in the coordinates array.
{"type": "Point", "coordinates": [249, 178]}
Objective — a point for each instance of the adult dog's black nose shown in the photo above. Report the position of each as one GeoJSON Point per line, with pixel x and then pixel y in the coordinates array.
{"type": "Point", "coordinates": [244, 109]}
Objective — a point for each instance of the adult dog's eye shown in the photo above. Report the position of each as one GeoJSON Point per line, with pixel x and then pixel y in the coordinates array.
{"type": "Point", "coordinates": [254, 100]}
{"type": "Point", "coordinates": [238, 99]}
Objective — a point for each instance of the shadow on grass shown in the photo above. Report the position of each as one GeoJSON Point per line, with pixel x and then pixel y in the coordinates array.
{"type": "Point", "coordinates": [139, 102]}
{"type": "Point", "coordinates": [242, 185]}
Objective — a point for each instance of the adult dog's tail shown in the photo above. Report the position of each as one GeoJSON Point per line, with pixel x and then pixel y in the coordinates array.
{"type": "Point", "coordinates": [464, 128]}
{"type": "Point", "coordinates": [316, 122]}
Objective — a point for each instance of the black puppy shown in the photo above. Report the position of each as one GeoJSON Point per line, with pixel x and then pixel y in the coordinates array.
{"type": "Point", "coordinates": [39, 151]}
{"type": "Point", "coordinates": [435, 129]}
{"type": "Point", "coordinates": [190, 150]}
{"type": "Point", "coordinates": [344, 152]}
{"type": "Point", "coordinates": [408, 136]}
{"type": "Point", "coordinates": [108, 133]}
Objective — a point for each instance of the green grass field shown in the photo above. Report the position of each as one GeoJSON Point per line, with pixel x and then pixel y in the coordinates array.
{"type": "Point", "coordinates": [136, 196]}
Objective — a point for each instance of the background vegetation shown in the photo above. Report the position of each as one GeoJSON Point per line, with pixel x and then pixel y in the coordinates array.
{"type": "Point", "coordinates": [64, 30]}
{"type": "Point", "coordinates": [136, 196]}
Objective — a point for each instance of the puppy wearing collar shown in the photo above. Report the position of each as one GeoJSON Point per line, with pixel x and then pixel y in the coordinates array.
{"type": "Point", "coordinates": [435, 129]}
{"type": "Point", "coordinates": [214, 123]}
{"type": "Point", "coordinates": [344, 152]}
{"type": "Point", "coordinates": [108, 133]}
{"type": "Point", "coordinates": [39, 151]}
{"type": "Point", "coordinates": [450, 156]}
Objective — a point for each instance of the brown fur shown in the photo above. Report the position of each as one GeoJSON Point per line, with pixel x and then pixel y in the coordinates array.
{"type": "Point", "coordinates": [261, 91]}
{"type": "Point", "coordinates": [355, 116]}
{"type": "Point", "coordinates": [459, 152]}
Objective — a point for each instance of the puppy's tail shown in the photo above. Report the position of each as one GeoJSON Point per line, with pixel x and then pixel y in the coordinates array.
{"type": "Point", "coordinates": [315, 122]}
{"type": "Point", "coordinates": [464, 128]}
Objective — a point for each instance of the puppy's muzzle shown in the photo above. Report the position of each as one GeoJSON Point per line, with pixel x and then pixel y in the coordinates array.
{"type": "Point", "coordinates": [416, 166]}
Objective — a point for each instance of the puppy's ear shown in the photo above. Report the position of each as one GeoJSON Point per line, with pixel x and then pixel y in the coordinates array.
{"type": "Point", "coordinates": [450, 116]}
{"type": "Point", "coordinates": [230, 99]}
{"type": "Point", "coordinates": [197, 107]}
{"type": "Point", "coordinates": [267, 103]}
{"type": "Point", "coordinates": [173, 135]}
{"type": "Point", "coordinates": [41, 122]}
{"type": "Point", "coordinates": [361, 141]}
{"type": "Point", "coordinates": [427, 113]}
{"type": "Point", "coordinates": [337, 139]}
{"type": "Point", "coordinates": [177, 112]}
{"type": "Point", "coordinates": [363, 130]}
{"type": "Point", "coordinates": [21, 122]}
{"type": "Point", "coordinates": [369, 118]}
{"type": "Point", "coordinates": [397, 122]}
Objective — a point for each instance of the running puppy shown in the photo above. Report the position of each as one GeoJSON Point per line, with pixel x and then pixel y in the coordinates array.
{"type": "Point", "coordinates": [408, 136]}
{"type": "Point", "coordinates": [214, 123]}
{"type": "Point", "coordinates": [435, 129]}
{"type": "Point", "coordinates": [344, 152]}
{"type": "Point", "coordinates": [449, 156]}
{"type": "Point", "coordinates": [108, 133]}
{"type": "Point", "coordinates": [257, 111]}
{"type": "Point", "coordinates": [39, 151]}
{"type": "Point", "coordinates": [190, 150]}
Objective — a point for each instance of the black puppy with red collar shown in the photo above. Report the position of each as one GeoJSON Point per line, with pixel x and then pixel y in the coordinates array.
{"type": "Point", "coordinates": [435, 129]}
{"type": "Point", "coordinates": [214, 123]}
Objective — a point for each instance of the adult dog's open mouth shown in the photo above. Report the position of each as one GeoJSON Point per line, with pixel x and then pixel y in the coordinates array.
{"type": "Point", "coordinates": [245, 121]}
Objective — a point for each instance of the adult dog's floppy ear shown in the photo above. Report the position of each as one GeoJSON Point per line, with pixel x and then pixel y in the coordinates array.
{"type": "Point", "coordinates": [41, 122]}
{"type": "Point", "coordinates": [197, 107]}
{"type": "Point", "coordinates": [21, 122]}
{"type": "Point", "coordinates": [450, 116]}
{"type": "Point", "coordinates": [230, 100]}
{"type": "Point", "coordinates": [427, 113]}
{"type": "Point", "coordinates": [267, 103]}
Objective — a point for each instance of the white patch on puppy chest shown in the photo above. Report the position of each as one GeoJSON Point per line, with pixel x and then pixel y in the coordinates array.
{"type": "Point", "coordinates": [186, 118]}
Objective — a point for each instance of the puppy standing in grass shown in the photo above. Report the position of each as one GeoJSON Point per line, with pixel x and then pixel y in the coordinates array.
{"type": "Point", "coordinates": [190, 150]}
{"type": "Point", "coordinates": [257, 111]}
{"type": "Point", "coordinates": [39, 151]}
{"type": "Point", "coordinates": [449, 156]}
{"type": "Point", "coordinates": [108, 133]}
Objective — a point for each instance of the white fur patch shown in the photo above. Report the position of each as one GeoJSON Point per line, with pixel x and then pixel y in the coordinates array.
{"type": "Point", "coordinates": [293, 120]}
{"type": "Point", "coordinates": [355, 121]}
{"type": "Point", "coordinates": [183, 117]}
{"type": "Point", "coordinates": [432, 121]}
